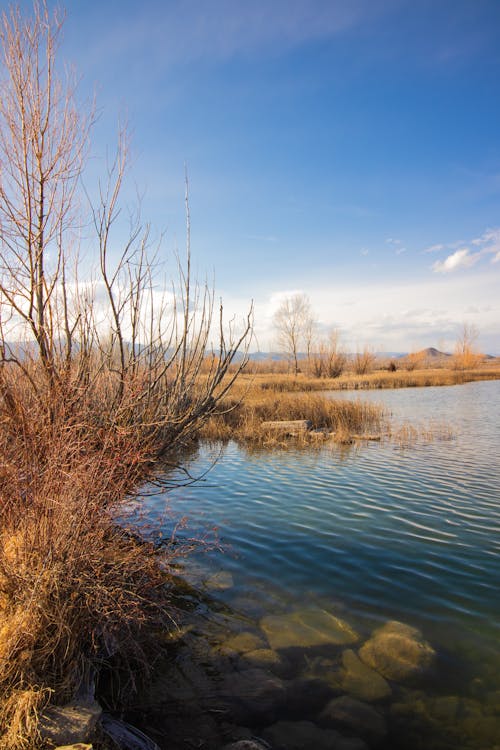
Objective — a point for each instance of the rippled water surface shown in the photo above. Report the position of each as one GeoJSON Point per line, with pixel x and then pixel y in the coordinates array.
{"type": "Point", "coordinates": [376, 531]}
{"type": "Point", "coordinates": [388, 529]}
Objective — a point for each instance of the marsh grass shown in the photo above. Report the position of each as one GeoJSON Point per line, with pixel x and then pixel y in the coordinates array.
{"type": "Point", "coordinates": [378, 379]}
{"type": "Point", "coordinates": [242, 417]}
{"type": "Point", "coordinates": [407, 434]}
{"type": "Point", "coordinates": [78, 591]}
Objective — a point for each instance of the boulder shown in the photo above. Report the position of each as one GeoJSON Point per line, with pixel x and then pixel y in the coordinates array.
{"type": "Point", "coordinates": [398, 652]}
{"type": "Point", "coordinates": [265, 658]}
{"type": "Point", "coordinates": [305, 628]}
{"type": "Point", "coordinates": [244, 642]}
{"type": "Point", "coordinates": [355, 716]}
{"type": "Point", "coordinates": [326, 670]}
{"type": "Point", "coordinates": [361, 681]}
{"type": "Point", "coordinates": [297, 735]}
{"type": "Point", "coordinates": [70, 724]}
{"type": "Point", "coordinates": [219, 581]}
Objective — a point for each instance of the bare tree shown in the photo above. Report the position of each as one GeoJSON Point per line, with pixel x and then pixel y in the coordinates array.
{"type": "Point", "coordinates": [364, 361]}
{"type": "Point", "coordinates": [149, 346]}
{"type": "Point", "coordinates": [334, 355]}
{"type": "Point", "coordinates": [328, 359]}
{"type": "Point", "coordinates": [466, 353]}
{"type": "Point", "coordinates": [99, 379]}
{"type": "Point", "coordinates": [43, 136]}
{"type": "Point", "coordinates": [294, 325]}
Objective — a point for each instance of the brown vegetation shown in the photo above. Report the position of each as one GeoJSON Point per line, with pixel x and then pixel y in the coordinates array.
{"type": "Point", "coordinates": [262, 379]}
{"type": "Point", "coordinates": [242, 416]}
{"type": "Point", "coordinates": [92, 396]}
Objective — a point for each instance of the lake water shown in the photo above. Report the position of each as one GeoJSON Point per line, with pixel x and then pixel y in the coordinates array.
{"type": "Point", "coordinates": [372, 532]}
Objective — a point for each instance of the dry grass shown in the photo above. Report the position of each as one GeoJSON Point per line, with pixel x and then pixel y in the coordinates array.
{"type": "Point", "coordinates": [243, 416]}
{"type": "Point", "coordinates": [407, 434]}
{"type": "Point", "coordinates": [281, 382]}
{"type": "Point", "coordinates": [76, 589]}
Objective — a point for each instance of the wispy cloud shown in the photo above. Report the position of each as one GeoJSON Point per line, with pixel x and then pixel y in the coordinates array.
{"type": "Point", "coordinates": [489, 241]}
{"type": "Point", "coordinates": [392, 316]}
{"type": "Point", "coordinates": [485, 246]}
{"type": "Point", "coordinates": [459, 259]}
{"type": "Point", "coordinates": [434, 248]}
{"type": "Point", "coordinates": [396, 245]}
{"type": "Point", "coordinates": [185, 31]}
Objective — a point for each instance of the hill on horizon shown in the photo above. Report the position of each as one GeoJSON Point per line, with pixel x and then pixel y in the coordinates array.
{"type": "Point", "coordinates": [433, 353]}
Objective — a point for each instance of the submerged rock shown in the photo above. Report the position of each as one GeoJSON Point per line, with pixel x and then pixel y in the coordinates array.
{"type": "Point", "coordinates": [298, 735]}
{"type": "Point", "coordinates": [244, 642]}
{"type": "Point", "coordinates": [252, 693]}
{"type": "Point", "coordinates": [398, 652]}
{"type": "Point", "coordinates": [220, 581]}
{"type": "Point", "coordinates": [265, 658]}
{"type": "Point", "coordinates": [361, 681]}
{"type": "Point", "coordinates": [355, 716]}
{"type": "Point", "coordinates": [306, 628]}
{"type": "Point", "coordinates": [324, 669]}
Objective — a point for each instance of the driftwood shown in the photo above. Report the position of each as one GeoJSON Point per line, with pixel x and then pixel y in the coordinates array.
{"type": "Point", "coordinates": [125, 736]}
{"type": "Point", "coordinates": [288, 427]}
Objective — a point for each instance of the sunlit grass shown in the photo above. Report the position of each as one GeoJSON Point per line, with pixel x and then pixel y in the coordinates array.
{"type": "Point", "coordinates": [244, 417]}
{"type": "Point", "coordinates": [281, 382]}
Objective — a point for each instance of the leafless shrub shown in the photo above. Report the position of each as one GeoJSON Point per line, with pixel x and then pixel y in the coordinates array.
{"type": "Point", "coordinates": [363, 361]}
{"type": "Point", "coordinates": [466, 355]}
{"type": "Point", "coordinates": [91, 395]}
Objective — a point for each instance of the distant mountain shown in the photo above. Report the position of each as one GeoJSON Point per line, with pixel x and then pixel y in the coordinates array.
{"type": "Point", "coordinates": [274, 356]}
{"type": "Point", "coordinates": [432, 353]}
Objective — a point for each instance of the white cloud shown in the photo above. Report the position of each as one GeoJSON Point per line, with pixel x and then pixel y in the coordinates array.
{"type": "Point", "coordinates": [487, 244]}
{"type": "Point", "coordinates": [459, 259]}
{"type": "Point", "coordinates": [390, 315]}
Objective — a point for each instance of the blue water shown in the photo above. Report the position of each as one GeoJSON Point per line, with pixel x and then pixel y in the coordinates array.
{"type": "Point", "coordinates": [381, 529]}
{"type": "Point", "coordinates": [374, 531]}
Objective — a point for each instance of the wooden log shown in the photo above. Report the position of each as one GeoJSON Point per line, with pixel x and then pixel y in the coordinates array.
{"type": "Point", "coordinates": [288, 427]}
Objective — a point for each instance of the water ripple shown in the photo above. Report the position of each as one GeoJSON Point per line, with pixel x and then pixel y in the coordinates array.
{"type": "Point", "coordinates": [404, 532]}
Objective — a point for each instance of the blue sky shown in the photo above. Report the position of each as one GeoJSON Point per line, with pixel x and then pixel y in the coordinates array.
{"type": "Point", "coordinates": [346, 149]}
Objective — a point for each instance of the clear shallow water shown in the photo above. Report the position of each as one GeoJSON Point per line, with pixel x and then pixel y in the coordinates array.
{"type": "Point", "coordinates": [375, 532]}
{"type": "Point", "coordinates": [388, 530]}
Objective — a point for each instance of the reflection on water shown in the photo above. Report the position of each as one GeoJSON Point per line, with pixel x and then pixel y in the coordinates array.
{"type": "Point", "coordinates": [373, 534]}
